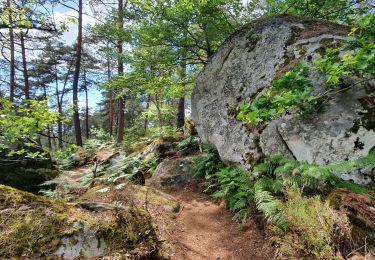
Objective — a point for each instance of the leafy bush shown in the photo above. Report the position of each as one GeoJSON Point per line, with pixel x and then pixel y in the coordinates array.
{"type": "Point", "coordinates": [157, 132]}
{"type": "Point", "coordinates": [134, 135]}
{"type": "Point", "coordinates": [315, 230]}
{"type": "Point", "coordinates": [293, 91]}
{"type": "Point", "coordinates": [65, 159]}
{"type": "Point", "coordinates": [207, 165]}
{"type": "Point", "coordinates": [99, 138]}
{"type": "Point", "coordinates": [234, 186]}
{"type": "Point", "coordinates": [190, 142]}
{"type": "Point", "coordinates": [22, 122]}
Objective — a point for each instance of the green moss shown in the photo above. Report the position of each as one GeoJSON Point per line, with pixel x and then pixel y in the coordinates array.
{"type": "Point", "coordinates": [32, 226]}
{"type": "Point", "coordinates": [34, 230]}
{"type": "Point", "coordinates": [129, 230]}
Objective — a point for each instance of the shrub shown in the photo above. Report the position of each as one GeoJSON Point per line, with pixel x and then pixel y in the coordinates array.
{"type": "Point", "coordinates": [207, 165]}
{"type": "Point", "coordinates": [190, 142]}
{"type": "Point", "coordinates": [315, 230]}
{"type": "Point", "coordinates": [235, 187]}
{"type": "Point", "coordinates": [99, 138]}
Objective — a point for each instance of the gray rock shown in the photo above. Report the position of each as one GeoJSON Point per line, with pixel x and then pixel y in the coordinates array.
{"type": "Point", "coordinates": [246, 64]}
{"type": "Point", "coordinates": [95, 206]}
{"type": "Point", "coordinates": [84, 244]}
{"type": "Point", "coordinates": [173, 173]}
{"type": "Point", "coordinates": [104, 190]}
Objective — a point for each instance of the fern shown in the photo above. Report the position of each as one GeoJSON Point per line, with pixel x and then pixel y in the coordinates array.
{"type": "Point", "coordinates": [234, 186]}
{"type": "Point", "coordinates": [267, 203]}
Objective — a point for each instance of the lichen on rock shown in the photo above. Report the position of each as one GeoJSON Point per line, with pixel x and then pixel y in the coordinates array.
{"type": "Point", "coordinates": [234, 75]}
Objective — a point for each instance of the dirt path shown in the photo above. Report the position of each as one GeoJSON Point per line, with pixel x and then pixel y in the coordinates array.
{"type": "Point", "coordinates": [205, 230]}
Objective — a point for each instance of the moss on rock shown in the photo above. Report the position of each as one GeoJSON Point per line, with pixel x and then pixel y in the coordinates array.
{"type": "Point", "coordinates": [36, 227]}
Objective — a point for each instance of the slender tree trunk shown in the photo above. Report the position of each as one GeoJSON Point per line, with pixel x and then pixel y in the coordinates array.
{"type": "Point", "coordinates": [53, 140]}
{"type": "Point", "coordinates": [145, 125]}
{"type": "Point", "coordinates": [76, 121]}
{"type": "Point", "coordinates": [121, 112]}
{"type": "Point", "coordinates": [111, 113]}
{"type": "Point", "coordinates": [181, 113]}
{"type": "Point", "coordinates": [87, 106]}
{"type": "Point", "coordinates": [24, 63]}
{"type": "Point", "coordinates": [180, 119]}
{"type": "Point", "coordinates": [110, 98]}
{"type": "Point", "coordinates": [60, 99]}
{"type": "Point", "coordinates": [60, 131]}
{"type": "Point", "coordinates": [48, 128]}
{"type": "Point", "coordinates": [158, 109]}
{"type": "Point", "coordinates": [12, 59]}
{"type": "Point", "coordinates": [59, 107]}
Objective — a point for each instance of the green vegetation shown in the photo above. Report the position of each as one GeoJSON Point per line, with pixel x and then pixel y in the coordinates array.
{"type": "Point", "coordinates": [314, 229]}
{"type": "Point", "coordinates": [293, 91]}
{"type": "Point", "coordinates": [24, 123]}
{"type": "Point", "coordinates": [282, 189]}
{"type": "Point", "coordinates": [234, 186]}
{"type": "Point", "coordinates": [37, 230]}
{"type": "Point", "coordinates": [144, 56]}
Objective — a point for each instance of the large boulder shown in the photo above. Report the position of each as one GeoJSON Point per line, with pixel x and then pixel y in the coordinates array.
{"type": "Point", "coordinates": [26, 173]}
{"type": "Point", "coordinates": [247, 63]}
{"type": "Point", "coordinates": [173, 173]}
{"type": "Point", "coordinates": [35, 227]}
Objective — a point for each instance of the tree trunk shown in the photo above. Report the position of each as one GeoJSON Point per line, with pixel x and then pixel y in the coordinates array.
{"type": "Point", "coordinates": [145, 125]}
{"type": "Point", "coordinates": [12, 59]}
{"type": "Point", "coordinates": [76, 121]}
{"type": "Point", "coordinates": [121, 112]}
{"type": "Point", "coordinates": [59, 107]}
{"type": "Point", "coordinates": [158, 110]}
{"type": "Point", "coordinates": [181, 113]}
{"type": "Point", "coordinates": [24, 63]}
{"type": "Point", "coordinates": [121, 120]}
{"type": "Point", "coordinates": [48, 128]}
{"type": "Point", "coordinates": [110, 99]}
{"type": "Point", "coordinates": [87, 106]}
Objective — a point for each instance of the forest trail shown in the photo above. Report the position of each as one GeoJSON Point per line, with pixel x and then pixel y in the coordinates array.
{"type": "Point", "coordinates": [204, 229]}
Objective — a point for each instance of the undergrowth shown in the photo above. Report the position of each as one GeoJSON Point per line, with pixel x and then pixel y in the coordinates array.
{"type": "Point", "coordinates": [268, 181]}
{"type": "Point", "coordinates": [315, 231]}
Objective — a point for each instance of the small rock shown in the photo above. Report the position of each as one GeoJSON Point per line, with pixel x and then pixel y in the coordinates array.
{"type": "Point", "coordinates": [24, 208]}
{"type": "Point", "coordinates": [120, 186]}
{"type": "Point", "coordinates": [96, 206]}
{"type": "Point", "coordinates": [104, 190]}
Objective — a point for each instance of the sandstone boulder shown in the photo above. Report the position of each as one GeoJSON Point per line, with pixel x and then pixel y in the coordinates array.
{"type": "Point", "coordinates": [173, 173]}
{"type": "Point", "coordinates": [35, 227]}
{"type": "Point", "coordinates": [246, 64]}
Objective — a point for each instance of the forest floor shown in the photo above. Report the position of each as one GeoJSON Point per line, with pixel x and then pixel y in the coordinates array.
{"type": "Point", "coordinates": [204, 229]}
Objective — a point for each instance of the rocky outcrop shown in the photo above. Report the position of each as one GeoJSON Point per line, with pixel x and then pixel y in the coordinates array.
{"type": "Point", "coordinates": [173, 173]}
{"type": "Point", "coordinates": [245, 66]}
{"type": "Point", "coordinates": [35, 227]}
{"type": "Point", "coordinates": [26, 173]}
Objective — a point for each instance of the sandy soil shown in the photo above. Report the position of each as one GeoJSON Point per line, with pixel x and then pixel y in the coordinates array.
{"type": "Point", "coordinates": [205, 230]}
